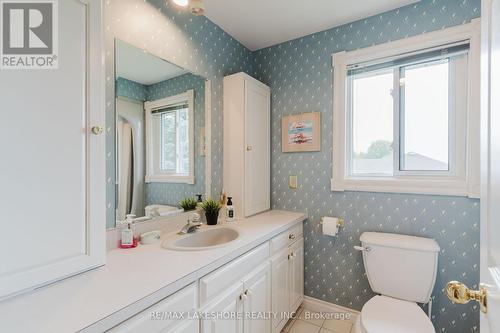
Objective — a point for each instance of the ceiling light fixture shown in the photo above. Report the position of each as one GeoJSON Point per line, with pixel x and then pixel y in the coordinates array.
{"type": "Point", "coordinates": [197, 7]}
{"type": "Point", "coordinates": [181, 3]}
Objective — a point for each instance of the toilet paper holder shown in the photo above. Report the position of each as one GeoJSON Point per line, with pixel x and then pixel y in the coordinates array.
{"type": "Point", "coordinates": [341, 222]}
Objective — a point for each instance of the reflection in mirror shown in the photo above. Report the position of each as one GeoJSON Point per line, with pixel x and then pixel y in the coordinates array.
{"type": "Point", "coordinates": [160, 134]}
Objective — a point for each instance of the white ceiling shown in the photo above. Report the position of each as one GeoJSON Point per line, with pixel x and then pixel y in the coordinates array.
{"type": "Point", "coordinates": [262, 23]}
{"type": "Point", "coordinates": [137, 65]}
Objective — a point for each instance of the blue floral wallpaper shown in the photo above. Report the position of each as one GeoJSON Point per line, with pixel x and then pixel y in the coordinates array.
{"type": "Point", "coordinates": [300, 74]}
{"type": "Point", "coordinates": [131, 89]}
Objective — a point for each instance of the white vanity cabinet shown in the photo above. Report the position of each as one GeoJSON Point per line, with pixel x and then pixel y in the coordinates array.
{"type": "Point", "coordinates": [232, 312]}
{"type": "Point", "coordinates": [243, 296]}
{"type": "Point", "coordinates": [247, 144]}
{"type": "Point", "coordinates": [239, 288]}
{"type": "Point", "coordinates": [163, 317]}
{"type": "Point", "coordinates": [287, 263]}
{"type": "Point", "coordinates": [53, 149]}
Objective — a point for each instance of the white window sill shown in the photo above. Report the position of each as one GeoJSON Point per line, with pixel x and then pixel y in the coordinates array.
{"type": "Point", "coordinates": [420, 185]}
{"type": "Point", "coordinates": [182, 179]}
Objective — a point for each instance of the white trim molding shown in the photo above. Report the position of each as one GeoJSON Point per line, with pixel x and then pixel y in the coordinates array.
{"type": "Point", "coordinates": [152, 175]}
{"type": "Point", "coordinates": [317, 305]}
{"type": "Point", "coordinates": [463, 183]}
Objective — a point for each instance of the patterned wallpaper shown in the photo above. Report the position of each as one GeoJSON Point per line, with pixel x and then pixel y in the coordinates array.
{"type": "Point", "coordinates": [130, 89]}
{"type": "Point", "coordinates": [194, 43]}
{"type": "Point", "coordinates": [299, 73]}
{"type": "Point", "coordinates": [171, 193]}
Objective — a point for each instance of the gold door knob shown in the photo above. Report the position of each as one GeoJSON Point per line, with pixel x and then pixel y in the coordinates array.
{"type": "Point", "coordinates": [459, 293]}
{"type": "Point", "coordinates": [97, 130]}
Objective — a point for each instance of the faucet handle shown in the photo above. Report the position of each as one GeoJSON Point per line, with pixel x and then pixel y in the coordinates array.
{"type": "Point", "coordinates": [195, 217]}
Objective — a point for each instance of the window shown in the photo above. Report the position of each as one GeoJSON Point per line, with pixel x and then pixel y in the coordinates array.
{"type": "Point", "coordinates": [169, 128]}
{"type": "Point", "coordinates": [402, 118]}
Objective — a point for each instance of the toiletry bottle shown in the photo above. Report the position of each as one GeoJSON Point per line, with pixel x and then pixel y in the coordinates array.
{"type": "Point", "coordinates": [199, 200]}
{"type": "Point", "coordinates": [229, 210]}
{"type": "Point", "coordinates": [128, 239]}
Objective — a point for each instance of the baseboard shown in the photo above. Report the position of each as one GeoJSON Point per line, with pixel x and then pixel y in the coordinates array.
{"type": "Point", "coordinates": [318, 305]}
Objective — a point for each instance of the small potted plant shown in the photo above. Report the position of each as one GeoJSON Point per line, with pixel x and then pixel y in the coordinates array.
{"type": "Point", "coordinates": [188, 204]}
{"type": "Point", "coordinates": [211, 208]}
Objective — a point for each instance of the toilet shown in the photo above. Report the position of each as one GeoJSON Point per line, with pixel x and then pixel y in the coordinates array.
{"type": "Point", "coordinates": [402, 270]}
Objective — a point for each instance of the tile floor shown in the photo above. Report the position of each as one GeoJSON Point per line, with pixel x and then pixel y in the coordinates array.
{"type": "Point", "coordinates": [307, 321]}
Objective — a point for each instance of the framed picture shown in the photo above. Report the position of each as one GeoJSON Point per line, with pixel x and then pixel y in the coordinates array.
{"type": "Point", "coordinates": [301, 132]}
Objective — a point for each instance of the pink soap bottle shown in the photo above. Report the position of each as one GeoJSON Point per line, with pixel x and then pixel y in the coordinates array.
{"type": "Point", "coordinates": [128, 239]}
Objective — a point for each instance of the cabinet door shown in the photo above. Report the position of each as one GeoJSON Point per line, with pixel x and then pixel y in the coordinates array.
{"type": "Point", "coordinates": [176, 308]}
{"type": "Point", "coordinates": [53, 168]}
{"type": "Point", "coordinates": [192, 326]}
{"type": "Point", "coordinates": [228, 303]}
{"type": "Point", "coordinates": [296, 274]}
{"type": "Point", "coordinates": [258, 291]}
{"type": "Point", "coordinates": [257, 150]}
{"type": "Point", "coordinates": [280, 285]}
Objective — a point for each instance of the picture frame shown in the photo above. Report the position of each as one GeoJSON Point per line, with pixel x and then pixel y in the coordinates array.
{"type": "Point", "coordinates": [301, 132]}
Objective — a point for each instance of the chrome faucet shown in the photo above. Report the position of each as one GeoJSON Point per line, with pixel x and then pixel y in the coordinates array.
{"type": "Point", "coordinates": [192, 225]}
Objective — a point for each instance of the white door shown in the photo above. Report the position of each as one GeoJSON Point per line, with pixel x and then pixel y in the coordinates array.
{"type": "Point", "coordinates": [488, 294]}
{"type": "Point", "coordinates": [490, 198]}
{"type": "Point", "coordinates": [258, 301]}
{"type": "Point", "coordinates": [52, 174]}
{"type": "Point", "coordinates": [296, 274]}
{"type": "Point", "coordinates": [231, 303]}
{"type": "Point", "coordinates": [280, 287]}
{"type": "Point", "coordinates": [257, 148]}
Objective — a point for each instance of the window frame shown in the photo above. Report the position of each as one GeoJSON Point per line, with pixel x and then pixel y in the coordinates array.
{"type": "Point", "coordinates": [464, 179]}
{"type": "Point", "coordinates": [153, 175]}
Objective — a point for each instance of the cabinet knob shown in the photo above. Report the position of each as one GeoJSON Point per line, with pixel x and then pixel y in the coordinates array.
{"type": "Point", "coordinates": [97, 130]}
{"type": "Point", "coordinates": [243, 297]}
{"type": "Point", "coordinates": [291, 236]}
{"type": "Point", "coordinates": [248, 292]}
{"type": "Point", "coordinates": [249, 148]}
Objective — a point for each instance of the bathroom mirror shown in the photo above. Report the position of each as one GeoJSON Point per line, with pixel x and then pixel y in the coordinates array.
{"type": "Point", "coordinates": [160, 143]}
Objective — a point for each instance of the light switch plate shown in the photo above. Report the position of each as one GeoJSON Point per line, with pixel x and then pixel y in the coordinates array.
{"type": "Point", "coordinates": [292, 182]}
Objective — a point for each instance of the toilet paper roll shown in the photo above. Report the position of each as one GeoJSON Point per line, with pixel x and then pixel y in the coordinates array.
{"type": "Point", "coordinates": [330, 226]}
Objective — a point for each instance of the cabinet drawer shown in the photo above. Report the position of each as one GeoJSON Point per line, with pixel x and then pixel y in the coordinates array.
{"type": "Point", "coordinates": [183, 301]}
{"type": "Point", "coordinates": [286, 238]}
{"type": "Point", "coordinates": [214, 283]}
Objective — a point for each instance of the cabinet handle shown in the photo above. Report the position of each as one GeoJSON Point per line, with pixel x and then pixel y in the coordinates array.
{"type": "Point", "coordinates": [289, 256]}
{"type": "Point", "coordinates": [96, 130]}
{"type": "Point", "coordinates": [291, 236]}
{"type": "Point", "coordinates": [243, 297]}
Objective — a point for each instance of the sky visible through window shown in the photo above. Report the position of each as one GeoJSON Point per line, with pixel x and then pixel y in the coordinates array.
{"type": "Point", "coordinates": [424, 128]}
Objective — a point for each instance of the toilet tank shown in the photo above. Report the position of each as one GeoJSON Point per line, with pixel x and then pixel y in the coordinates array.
{"type": "Point", "coordinates": [400, 266]}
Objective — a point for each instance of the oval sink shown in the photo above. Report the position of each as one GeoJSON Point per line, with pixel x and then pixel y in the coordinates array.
{"type": "Point", "coordinates": [204, 239]}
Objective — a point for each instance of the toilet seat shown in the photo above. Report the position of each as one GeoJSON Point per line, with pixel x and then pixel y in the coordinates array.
{"type": "Point", "coordinates": [383, 314]}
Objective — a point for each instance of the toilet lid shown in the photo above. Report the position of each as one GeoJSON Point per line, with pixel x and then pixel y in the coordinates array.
{"type": "Point", "coordinates": [384, 314]}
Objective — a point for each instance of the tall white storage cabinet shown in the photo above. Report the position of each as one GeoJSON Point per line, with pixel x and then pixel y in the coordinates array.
{"type": "Point", "coordinates": [247, 144]}
{"type": "Point", "coordinates": [52, 143]}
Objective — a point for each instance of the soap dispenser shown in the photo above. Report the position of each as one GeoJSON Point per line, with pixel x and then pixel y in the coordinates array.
{"type": "Point", "coordinates": [229, 210]}
{"type": "Point", "coordinates": [128, 239]}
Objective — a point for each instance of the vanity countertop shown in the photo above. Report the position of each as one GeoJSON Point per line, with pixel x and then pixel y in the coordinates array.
{"type": "Point", "coordinates": [131, 280]}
